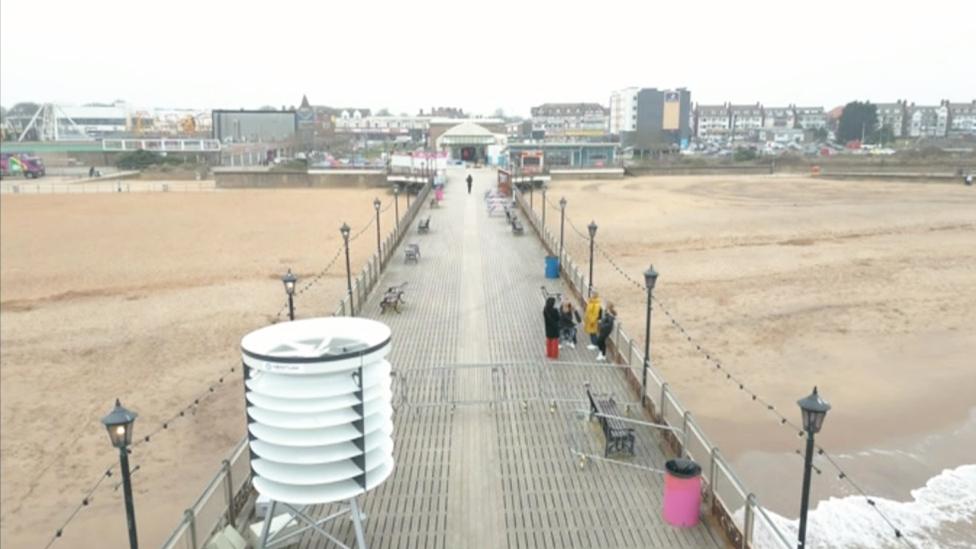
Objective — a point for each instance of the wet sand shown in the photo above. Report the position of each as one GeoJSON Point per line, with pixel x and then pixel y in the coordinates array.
{"type": "Point", "coordinates": [143, 297]}
{"type": "Point", "coordinates": [866, 289]}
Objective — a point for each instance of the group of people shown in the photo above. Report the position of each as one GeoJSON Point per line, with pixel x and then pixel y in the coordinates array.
{"type": "Point", "coordinates": [562, 324]}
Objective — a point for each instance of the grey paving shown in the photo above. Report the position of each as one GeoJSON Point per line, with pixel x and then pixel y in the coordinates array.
{"type": "Point", "coordinates": [486, 427]}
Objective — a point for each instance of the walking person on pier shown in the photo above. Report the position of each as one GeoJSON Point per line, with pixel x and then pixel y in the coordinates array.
{"type": "Point", "coordinates": [606, 328]}
{"type": "Point", "coordinates": [470, 180]}
{"type": "Point", "coordinates": [551, 316]}
{"type": "Point", "coordinates": [592, 319]}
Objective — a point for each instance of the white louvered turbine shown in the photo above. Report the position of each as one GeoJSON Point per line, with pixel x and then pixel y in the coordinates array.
{"type": "Point", "coordinates": [318, 407]}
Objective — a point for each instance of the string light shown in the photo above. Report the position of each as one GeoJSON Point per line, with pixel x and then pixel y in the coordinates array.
{"type": "Point", "coordinates": [87, 499]}
{"type": "Point", "coordinates": [783, 420]}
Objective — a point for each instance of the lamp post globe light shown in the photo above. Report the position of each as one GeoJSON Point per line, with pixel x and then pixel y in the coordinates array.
{"type": "Point", "coordinates": [562, 228]}
{"type": "Point", "coordinates": [650, 279]}
{"type": "Point", "coordinates": [289, 281]}
{"type": "Point", "coordinates": [379, 245]}
{"type": "Point", "coordinates": [592, 228]}
{"type": "Point", "coordinates": [813, 409]}
{"type": "Point", "coordinates": [345, 230]}
{"type": "Point", "coordinates": [119, 422]}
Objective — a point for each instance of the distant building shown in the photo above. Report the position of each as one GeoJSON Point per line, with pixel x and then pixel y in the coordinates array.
{"type": "Point", "coordinates": [651, 121]}
{"type": "Point", "coordinates": [810, 118]}
{"type": "Point", "coordinates": [382, 124]}
{"type": "Point", "coordinates": [779, 117]}
{"type": "Point", "coordinates": [928, 121]}
{"type": "Point", "coordinates": [962, 118]}
{"type": "Point", "coordinates": [521, 129]}
{"type": "Point", "coordinates": [444, 112]}
{"type": "Point", "coordinates": [747, 120]}
{"type": "Point", "coordinates": [570, 120]}
{"type": "Point", "coordinates": [712, 121]}
{"type": "Point", "coordinates": [892, 115]}
{"type": "Point", "coordinates": [100, 120]}
{"type": "Point", "coordinates": [254, 126]}
{"type": "Point", "coordinates": [623, 111]}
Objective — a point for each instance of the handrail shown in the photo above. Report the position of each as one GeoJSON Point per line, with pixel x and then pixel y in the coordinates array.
{"type": "Point", "coordinates": [738, 528]}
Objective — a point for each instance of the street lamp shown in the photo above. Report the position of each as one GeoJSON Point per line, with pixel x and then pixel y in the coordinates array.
{"type": "Point", "coordinates": [650, 279]}
{"type": "Point", "coordinates": [562, 227]}
{"type": "Point", "coordinates": [814, 410]}
{"type": "Point", "coordinates": [396, 205]}
{"type": "Point", "coordinates": [289, 281]}
{"type": "Point", "coordinates": [543, 210]}
{"type": "Point", "coordinates": [592, 228]}
{"type": "Point", "coordinates": [345, 240]}
{"type": "Point", "coordinates": [379, 245]}
{"type": "Point", "coordinates": [119, 424]}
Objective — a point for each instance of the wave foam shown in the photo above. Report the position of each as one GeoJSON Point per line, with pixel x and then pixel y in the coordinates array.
{"type": "Point", "coordinates": [941, 514]}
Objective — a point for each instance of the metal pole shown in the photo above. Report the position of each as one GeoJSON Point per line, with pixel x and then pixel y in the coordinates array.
{"type": "Point", "coordinates": [543, 212]}
{"type": "Point", "coordinates": [396, 208]}
{"type": "Point", "coordinates": [805, 502]}
{"type": "Point", "coordinates": [352, 309]}
{"type": "Point", "coordinates": [379, 239]}
{"type": "Point", "coordinates": [531, 193]}
{"type": "Point", "coordinates": [562, 228]}
{"type": "Point", "coordinates": [291, 307]}
{"type": "Point", "coordinates": [130, 513]}
{"type": "Point", "coordinates": [647, 348]}
{"type": "Point", "coordinates": [589, 282]}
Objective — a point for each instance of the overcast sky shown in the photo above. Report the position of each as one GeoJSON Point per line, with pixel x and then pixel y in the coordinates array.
{"type": "Point", "coordinates": [481, 56]}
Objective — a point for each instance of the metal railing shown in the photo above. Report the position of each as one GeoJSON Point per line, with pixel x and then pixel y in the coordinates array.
{"type": "Point", "coordinates": [735, 509]}
{"type": "Point", "coordinates": [222, 502]}
{"type": "Point", "coordinates": [117, 186]}
{"type": "Point", "coordinates": [228, 498]}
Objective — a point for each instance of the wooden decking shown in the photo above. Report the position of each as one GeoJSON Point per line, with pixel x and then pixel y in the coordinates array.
{"type": "Point", "coordinates": [486, 427]}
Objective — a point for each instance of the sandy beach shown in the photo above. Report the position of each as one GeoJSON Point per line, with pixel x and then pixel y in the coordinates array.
{"type": "Point", "coordinates": [143, 297]}
{"type": "Point", "coordinates": [866, 289]}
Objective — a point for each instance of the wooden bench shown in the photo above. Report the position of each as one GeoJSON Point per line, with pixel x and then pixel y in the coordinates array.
{"type": "Point", "coordinates": [424, 225]}
{"type": "Point", "coordinates": [619, 437]}
{"type": "Point", "coordinates": [517, 227]}
{"type": "Point", "coordinates": [411, 253]}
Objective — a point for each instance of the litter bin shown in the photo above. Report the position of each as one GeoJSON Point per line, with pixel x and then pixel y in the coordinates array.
{"type": "Point", "coordinates": [439, 193]}
{"type": "Point", "coordinates": [552, 266]}
{"type": "Point", "coordinates": [682, 492]}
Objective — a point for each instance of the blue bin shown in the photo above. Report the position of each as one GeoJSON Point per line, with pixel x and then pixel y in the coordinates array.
{"type": "Point", "coordinates": [552, 266]}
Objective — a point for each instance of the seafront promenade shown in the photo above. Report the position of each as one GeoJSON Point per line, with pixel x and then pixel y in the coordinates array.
{"type": "Point", "coordinates": [488, 432]}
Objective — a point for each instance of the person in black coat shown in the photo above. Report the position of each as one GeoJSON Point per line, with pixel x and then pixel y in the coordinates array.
{"type": "Point", "coordinates": [606, 328]}
{"type": "Point", "coordinates": [568, 320]}
{"type": "Point", "coordinates": [551, 316]}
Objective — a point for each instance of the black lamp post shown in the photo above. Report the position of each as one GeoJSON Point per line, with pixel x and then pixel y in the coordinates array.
{"type": "Point", "coordinates": [119, 424]}
{"type": "Point", "coordinates": [345, 239]}
{"type": "Point", "coordinates": [543, 210]}
{"type": "Point", "coordinates": [650, 279]}
{"type": "Point", "coordinates": [562, 227]}
{"type": "Point", "coordinates": [379, 245]}
{"type": "Point", "coordinates": [289, 281]}
{"type": "Point", "coordinates": [814, 410]}
{"type": "Point", "coordinates": [396, 205]}
{"type": "Point", "coordinates": [531, 193]}
{"type": "Point", "coordinates": [589, 287]}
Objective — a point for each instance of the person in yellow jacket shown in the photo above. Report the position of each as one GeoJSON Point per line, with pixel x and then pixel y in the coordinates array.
{"type": "Point", "coordinates": [591, 320]}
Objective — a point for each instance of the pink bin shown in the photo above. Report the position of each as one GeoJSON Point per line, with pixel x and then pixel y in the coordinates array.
{"type": "Point", "coordinates": [439, 193]}
{"type": "Point", "coordinates": [682, 492]}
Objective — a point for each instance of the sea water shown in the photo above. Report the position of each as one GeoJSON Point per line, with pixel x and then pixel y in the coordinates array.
{"type": "Point", "coordinates": [941, 514]}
